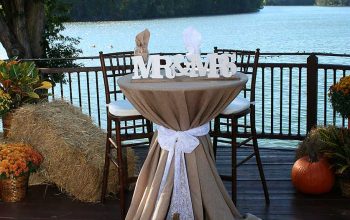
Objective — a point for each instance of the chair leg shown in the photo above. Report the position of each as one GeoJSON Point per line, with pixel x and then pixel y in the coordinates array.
{"type": "Point", "coordinates": [121, 172]}
{"type": "Point", "coordinates": [107, 161]}
{"type": "Point", "coordinates": [234, 159]}
{"type": "Point", "coordinates": [216, 132]}
{"type": "Point", "coordinates": [149, 130]}
{"type": "Point", "coordinates": [258, 160]}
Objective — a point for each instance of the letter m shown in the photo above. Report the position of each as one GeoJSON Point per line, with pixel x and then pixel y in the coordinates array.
{"type": "Point", "coordinates": [141, 71]}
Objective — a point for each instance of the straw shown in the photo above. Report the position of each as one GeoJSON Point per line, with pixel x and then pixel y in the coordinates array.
{"type": "Point", "coordinates": [72, 146]}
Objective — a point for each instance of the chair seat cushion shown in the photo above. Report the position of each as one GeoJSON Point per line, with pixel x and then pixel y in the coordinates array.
{"type": "Point", "coordinates": [238, 105]}
{"type": "Point", "coordinates": [122, 108]}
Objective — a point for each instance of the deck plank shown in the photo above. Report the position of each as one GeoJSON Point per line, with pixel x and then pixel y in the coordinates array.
{"type": "Point", "coordinates": [286, 203]}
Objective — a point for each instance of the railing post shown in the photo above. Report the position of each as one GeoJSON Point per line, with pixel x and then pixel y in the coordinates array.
{"type": "Point", "coordinates": [311, 99]}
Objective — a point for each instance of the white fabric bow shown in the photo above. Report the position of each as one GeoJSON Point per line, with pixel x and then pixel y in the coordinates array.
{"type": "Point", "coordinates": [178, 143]}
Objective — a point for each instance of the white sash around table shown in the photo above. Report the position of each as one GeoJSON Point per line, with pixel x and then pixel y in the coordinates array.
{"type": "Point", "coordinates": [177, 143]}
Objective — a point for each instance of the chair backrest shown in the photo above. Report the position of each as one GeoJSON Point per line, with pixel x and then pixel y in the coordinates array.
{"type": "Point", "coordinates": [115, 65]}
{"type": "Point", "coordinates": [247, 63]}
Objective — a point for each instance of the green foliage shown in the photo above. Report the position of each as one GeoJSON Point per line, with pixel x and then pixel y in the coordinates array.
{"type": "Point", "coordinates": [289, 2]}
{"type": "Point", "coordinates": [341, 103]}
{"type": "Point", "coordinates": [54, 43]}
{"type": "Point", "coordinates": [141, 9]}
{"type": "Point", "coordinates": [331, 142]}
{"type": "Point", "coordinates": [333, 2]}
{"type": "Point", "coordinates": [337, 149]}
{"type": "Point", "coordinates": [311, 146]}
{"type": "Point", "coordinates": [5, 102]}
{"type": "Point", "coordinates": [19, 82]}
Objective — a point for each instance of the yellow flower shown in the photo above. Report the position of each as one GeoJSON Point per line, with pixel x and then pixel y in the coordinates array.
{"type": "Point", "coordinates": [5, 102]}
{"type": "Point", "coordinates": [44, 85]}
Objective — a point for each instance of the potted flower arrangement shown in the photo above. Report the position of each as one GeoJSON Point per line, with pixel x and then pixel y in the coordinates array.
{"type": "Point", "coordinates": [19, 84]}
{"type": "Point", "coordinates": [332, 145]}
{"type": "Point", "coordinates": [339, 95]}
{"type": "Point", "coordinates": [17, 161]}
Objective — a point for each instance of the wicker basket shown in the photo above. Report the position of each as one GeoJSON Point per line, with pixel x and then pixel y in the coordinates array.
{"type": "Point", "coordinates": [6, 123]}
{"type": "Point", "coordinates": [14, 189]}
{"type": "Point", "coordinates": [345, 186]}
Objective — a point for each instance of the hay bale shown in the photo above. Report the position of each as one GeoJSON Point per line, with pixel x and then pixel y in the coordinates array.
{"type": "Point", "coordinates": [72, 146]}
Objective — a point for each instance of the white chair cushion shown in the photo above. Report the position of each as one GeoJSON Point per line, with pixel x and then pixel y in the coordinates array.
{"type": "Point", "coordinates": [239, 104]}
{"type": "Point", "coordinates": [122, 108]}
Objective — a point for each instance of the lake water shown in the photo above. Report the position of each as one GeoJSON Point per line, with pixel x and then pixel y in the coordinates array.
{"type": "Point", "coordinates": [279, 29]}
{"type": "Point", "coordinates": [272, 29]}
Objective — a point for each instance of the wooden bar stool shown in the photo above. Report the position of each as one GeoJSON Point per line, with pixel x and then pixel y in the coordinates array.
{"type": "Point", "coordinates": [238, 108]}
{"type": "Point", "coordinates": [128, 123]}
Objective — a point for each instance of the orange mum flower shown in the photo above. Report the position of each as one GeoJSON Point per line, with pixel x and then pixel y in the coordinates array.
{"type": "Point", "coordinates": [18, 159]}
{"type": "Point", "coordinates": [339, 95]}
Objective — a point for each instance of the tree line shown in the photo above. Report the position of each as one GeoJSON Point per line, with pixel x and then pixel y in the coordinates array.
{"type": "Point", "coordinates": [308, 2]}
{"type": "Point", "coordinates": [333, 2]}
{"type": "Point", "coordinates": [97, 10]}
{"type": "Point", "coordinates": [289, 2]}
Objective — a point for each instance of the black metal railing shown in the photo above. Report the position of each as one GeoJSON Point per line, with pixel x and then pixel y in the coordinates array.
{"type": "Point", "coordinates": [291, 97]}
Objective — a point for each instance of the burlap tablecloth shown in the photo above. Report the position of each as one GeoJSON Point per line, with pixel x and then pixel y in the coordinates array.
{"type": "Point", "coordinates": [181, 106]}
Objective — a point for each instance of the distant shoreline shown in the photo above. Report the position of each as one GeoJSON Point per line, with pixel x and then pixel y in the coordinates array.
{"type": "Point", "coordinates": [340, 6]}
{"type": "Point", "coordinates": [125, 10]}
{"type": "Point", "coordinates": [327, 3]}
{"type": "Point", "coordinates": [170, 17]}
{"type": "Point", "coordinates": [174, 17]}
{"type": "Point", "coordinates": [203, 15]}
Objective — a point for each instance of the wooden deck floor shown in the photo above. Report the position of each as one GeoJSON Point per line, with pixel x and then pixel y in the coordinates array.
{"type": "Point", "coordinates": [286, 204]}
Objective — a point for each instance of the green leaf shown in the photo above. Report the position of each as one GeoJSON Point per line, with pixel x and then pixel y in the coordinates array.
{"type": "Point", "coordinates": [4, 74]}
{"type": "Point", "coordinates": [343, 168]}
{"type": "Point", "coordinates": [33, 95]}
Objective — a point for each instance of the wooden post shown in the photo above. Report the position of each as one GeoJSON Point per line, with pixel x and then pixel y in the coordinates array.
{"type": "Point", "coordinates": [311, 99]}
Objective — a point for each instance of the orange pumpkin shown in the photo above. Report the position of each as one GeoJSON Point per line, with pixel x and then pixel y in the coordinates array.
{"type": "Point", "coordinates": [312, 177]}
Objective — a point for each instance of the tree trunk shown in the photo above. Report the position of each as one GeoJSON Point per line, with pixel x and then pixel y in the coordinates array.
{"type": "Point", "coordinates": [9, 41]}
{"type": "Point", "coordinates": [22, 25]}
{"type": "Point", "coordinates": [19, 27]}
{"type": "Point", "coordinates": [35, 18]}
